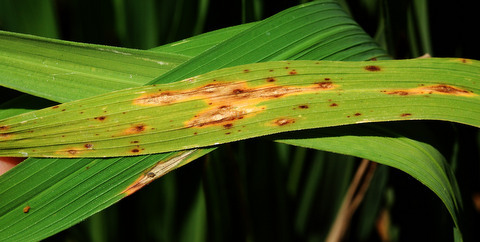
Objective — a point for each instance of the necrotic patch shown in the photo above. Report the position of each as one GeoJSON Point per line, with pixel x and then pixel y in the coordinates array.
{"type": "Point", "coordinates": [227, 101]}
{"type": "Point", "coordinates": [433, 89]}
{"type": "Point", "coordinates": [373, 68]}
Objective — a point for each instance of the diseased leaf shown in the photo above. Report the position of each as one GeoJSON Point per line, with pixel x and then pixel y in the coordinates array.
{"type": "Point", "coordinates": [244, 102]}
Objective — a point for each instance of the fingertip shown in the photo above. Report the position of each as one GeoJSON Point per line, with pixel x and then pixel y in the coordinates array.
{"type": "Point", "coordinates": [7, 163]}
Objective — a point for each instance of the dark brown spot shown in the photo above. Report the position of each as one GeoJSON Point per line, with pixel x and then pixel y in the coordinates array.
{"type": "Point", "coordinates": [293, 72]}
{"type": "Point", "coordinates": [151, 174]}
{"type": "Point", "coordinates": [4, 128]}
{"type": "Point", "coordinates": [372, 68]}
{"type": "Point", "coordinates": [63, 110]}
{"type": "Point", "coordinates": [246, 71]}
{"type": "Point", "coordinates": [101, 118]}
{"type": "Point", "coordinates": [138, 128]}
{"type": "Point", "coordinates": [238, 91]}
{"type": "Point", "coordinates": [26, 209]}
{"type": "Point", "coordinates": [271, 79]}
{"type": "Point", "coordinates": [88, 146]}
{"type": "Point", "coordinates": [325, 85]}
{"type": "Point", "coordinates": [326, 79]}
{"type": "Point", "coordinates": [357, 114]}
{"type": "Point", "coordinates": [284, 121]}
{"type": "Point", "coordinates": [228, 126]}
{"type": "Point", "coordinates": [303, 106]}
{"type": "Point", "coordinates": [406, 115]}
{"type": "Point", "coordinates": [134, 142]}
{"type": "Point", "coordinates": [333, 105]}
{"type": "Point", "coordinates": [135, 150]}
{"type": "Point", "coordinates": [54, 107]}
{"type": "Point", "coordinates": [373, 59]}
{"type": "Point", "coordinates": [228, 133]}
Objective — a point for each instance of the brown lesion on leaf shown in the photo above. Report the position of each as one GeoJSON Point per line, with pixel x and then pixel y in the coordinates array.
{"type": "Point", "coordinates": [405, 115]}
{"type": "Point", "coordinates": [135, 150]}
{"type": "Point", "coordinates": [26, 209]}
{"type": "Point", "coordinates": [4, 136]}
{"type": "Point", "coordinates": [74, 151]}
{"type": "Point", "coordinates": [465, 61]}
{"type": "Point", "coordinates": [151, 174]}
{"type": "Point", "coordinates": [135, 129]}
{"type": "Point", "coordinates": [373, 68]}
{"type": "Point", "coordinates": [160, 169]}
{"type": "Point", "coordinates": [283, 121]}
{"type": "Point", "coordinates": [229, 101]}
{"type": "Point", "coordinates": [271, 79]}
{"type": "Point", "coordinates": [70, 152]}
{"type": "Point", "coordinates": [432, 89]}
{"type": "Point", "coordinates": [100, 118]}
{"type": "Point", "coordinates": [223, 115]}
{"type": "Point", "coordinates": [326, 85]}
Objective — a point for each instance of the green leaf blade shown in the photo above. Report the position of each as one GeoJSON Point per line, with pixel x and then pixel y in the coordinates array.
{"type": "Point", "coordinates": [271, 97]}
{"type": "Point", "coordinates": [34, 64]}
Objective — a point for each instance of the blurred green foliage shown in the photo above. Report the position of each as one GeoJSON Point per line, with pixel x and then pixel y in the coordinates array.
{"type": "Point", "coordinates": [262, 191]}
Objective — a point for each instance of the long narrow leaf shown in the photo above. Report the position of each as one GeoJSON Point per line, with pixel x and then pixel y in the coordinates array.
{"type": "Point", "coordinates": [244, 102]}
{"type": "Point", "coordinates": [422, 161]}
{"type": "Point", "coordinates": [34, 65]}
